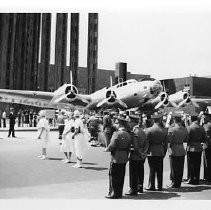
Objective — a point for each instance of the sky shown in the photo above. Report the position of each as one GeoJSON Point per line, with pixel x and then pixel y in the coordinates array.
{"type": "Point", "coordinates": [165, 39]}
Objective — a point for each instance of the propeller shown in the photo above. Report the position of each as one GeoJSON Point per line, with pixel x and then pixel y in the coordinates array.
{"type": "Point", "coordinates": [163, 97]}
{"type": "Point", "coordinates": [188, 100]}
{"type": "Point", "coordinates": [111, 98]}
{"type": "Point", "coordinates": [117, 101]}
{"type": "Point", "coordinates": [111, 81]}
{"type": "Point", "coordinates": [70, 93]}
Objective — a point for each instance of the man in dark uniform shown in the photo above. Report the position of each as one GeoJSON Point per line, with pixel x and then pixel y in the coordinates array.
{"type": "Point", "coordinates": [119, 147]}
{"type": "Point", "coordinates": [194, 149]}
{"type": "Point", "coordinates": [157, 137]}
{"type": "Point", "coordinates": [12, 123]}
{"type": "Point", "coordinates": [207, 158]}
{"type": "Point", "coordinates": [107, 126]}
{"type": "Point", "coordinates": [177, 135]}
{"type": "Point", "coordinates": [137, 156]}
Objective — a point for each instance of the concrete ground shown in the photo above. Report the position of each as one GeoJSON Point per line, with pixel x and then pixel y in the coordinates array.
{"type": "Point", "coordinates": [24, 176]}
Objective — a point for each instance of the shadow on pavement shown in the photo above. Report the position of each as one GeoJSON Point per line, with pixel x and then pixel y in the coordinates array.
{"type": "Point", "coordinates": [96, 168]}
{"type": "Point", "coordinates": [153, 196]}
{"type": "Point", "coordinates": [51, 158]}
{"type": "Point", "coordinates": [85, 163]}
{"type": "Point", "coordinates": [190, 189]}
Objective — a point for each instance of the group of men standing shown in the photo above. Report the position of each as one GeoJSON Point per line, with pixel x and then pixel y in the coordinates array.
{"type": "Point", "coordinates": [132, 142]}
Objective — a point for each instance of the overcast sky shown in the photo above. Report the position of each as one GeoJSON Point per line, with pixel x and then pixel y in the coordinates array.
{"type": "Point", "coordinates": [165, 39]}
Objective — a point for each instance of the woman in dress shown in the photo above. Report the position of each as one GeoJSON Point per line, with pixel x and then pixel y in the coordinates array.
{"type": "Point", "coordinates": [43, 134]}
{"type": "Point", "coordinates": [67, 141]}
{"type": "Point", "coordinates": [79, 139]}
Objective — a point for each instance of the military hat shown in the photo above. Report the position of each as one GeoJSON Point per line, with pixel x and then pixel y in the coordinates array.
{"type": "Point", "coordinates": [156, 115]}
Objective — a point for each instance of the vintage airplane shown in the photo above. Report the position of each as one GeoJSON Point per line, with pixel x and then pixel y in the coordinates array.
{"type": "Point", "coordinates": [127, 94]}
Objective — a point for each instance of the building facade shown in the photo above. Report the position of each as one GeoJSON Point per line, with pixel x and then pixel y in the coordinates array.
{"type": "Point", "coordinates": [199, 86]}
{"type": "Point", "coordinates": [19, 44]}
{"type": "Point", "coordinates": [92, 51]}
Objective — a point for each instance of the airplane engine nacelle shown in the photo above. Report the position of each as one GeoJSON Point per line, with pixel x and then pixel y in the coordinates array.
{"type": "Point", "coordinates": [71, 92]}
{"type": "Point", "coordinates": [161, 100]}
{"type": "Point", "coordinates": [164, 98]}
{"type": "Point", "coordinates": [111, 96]}
{"type": "Point", "coordinates": [111, 100]}
{"type": "Point", "coordinates": [181, 97]}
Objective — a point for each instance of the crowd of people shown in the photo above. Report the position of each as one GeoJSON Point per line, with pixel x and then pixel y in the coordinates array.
{"type": "Point", "coordinates": [134, 138]}
{"type": "Point", "coordinates": [24, 118]}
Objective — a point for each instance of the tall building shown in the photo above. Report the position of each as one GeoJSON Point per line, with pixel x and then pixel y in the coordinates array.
{"type": "Point", "coordinates": [74, 46]}
{"type": "Point", "coordinates": [92, 51]}
{"type": "Point", "coordinates": [60, 49]}
{"type": "Point", "coordinates": [43, 73]}
{"type": "Point", "coordinates": [19, 42]}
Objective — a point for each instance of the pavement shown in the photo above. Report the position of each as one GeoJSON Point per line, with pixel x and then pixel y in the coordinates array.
{"type": "Point", "coordinates": [24, 176]}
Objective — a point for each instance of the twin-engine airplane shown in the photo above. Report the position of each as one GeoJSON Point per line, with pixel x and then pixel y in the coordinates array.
{"type": "Point", "coordinates": [124, 95]}
{"type": "Point", "coordinates": [128, 94]}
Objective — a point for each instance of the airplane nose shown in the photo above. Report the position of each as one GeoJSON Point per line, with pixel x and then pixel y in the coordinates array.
{"type": "Point", "coordinates": [156, 88]}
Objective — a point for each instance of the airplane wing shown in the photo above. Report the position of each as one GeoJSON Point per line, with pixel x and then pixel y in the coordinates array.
{"type": "Point", "coordinates": [32, 98]}
{"type": "Point", "coordinates": [79, 100]}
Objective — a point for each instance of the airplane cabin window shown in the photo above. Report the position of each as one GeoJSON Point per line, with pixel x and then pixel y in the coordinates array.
{"type": "Point", "coordinates": [147, 79]}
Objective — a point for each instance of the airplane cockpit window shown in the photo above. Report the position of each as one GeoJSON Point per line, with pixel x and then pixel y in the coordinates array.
{"type": "Point", "coordinates": [126, 83]}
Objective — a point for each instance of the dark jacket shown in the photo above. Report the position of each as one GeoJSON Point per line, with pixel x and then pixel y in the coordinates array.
{"type": "Point", "coordinates": [177, 135]}
{"type": "Point", "coordinates": [196, 137]}
{"type": "Point", "coordinates": [140, 144]}
{"type": "Point", "coordinates": [157, 137]}
{"type": "Point", "coordinates": [12, 118]}
{"type": "Point", "coordinates": [119, 146]}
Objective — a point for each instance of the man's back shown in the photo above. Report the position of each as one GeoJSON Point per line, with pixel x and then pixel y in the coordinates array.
{"type": "Point", "coordinates": [196, 137]}
{"type": "Point", "coordinates": [119, 146]}
{"type": "Point", "coordinates": [156, 136]}
{"type": "Point", "coordinates": [177, 135]}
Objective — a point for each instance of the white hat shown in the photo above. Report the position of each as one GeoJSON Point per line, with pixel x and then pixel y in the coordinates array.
{"type": "Point", "coordinates": [76, 113]}
{"type": "Point", "coordinates": [69, 114]}
{"type": "Point", "coordinates": [42, 113]}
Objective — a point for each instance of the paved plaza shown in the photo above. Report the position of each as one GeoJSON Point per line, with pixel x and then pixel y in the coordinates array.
{"type": "Point", "coordinates": [24, 176]}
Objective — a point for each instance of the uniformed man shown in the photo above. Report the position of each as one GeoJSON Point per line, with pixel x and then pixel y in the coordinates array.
{"type": "Point", "coordinates": [177, 135]}
{"type": "Point", "coordinates": [194, 149]}
{"type": "Point", "coordinates": [157, 137]}
{"type": "Point", "coordinates": [119, 147]}
{"type": "Point", "coordinates": [207, 158]}
{"type": "Point", "coordinates": [137, 156]}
